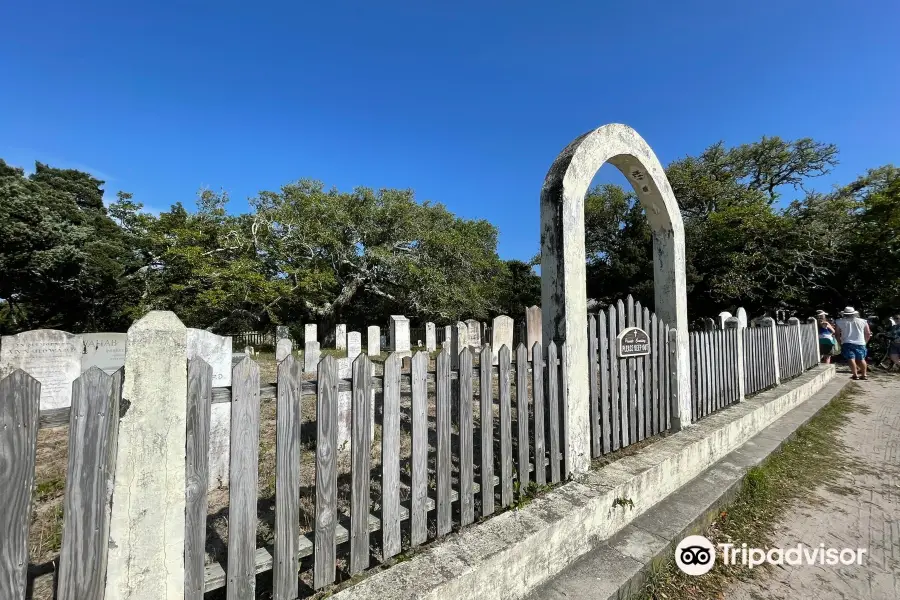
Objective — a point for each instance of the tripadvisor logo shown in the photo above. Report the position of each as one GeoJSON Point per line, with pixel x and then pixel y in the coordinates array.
{"type": "Point", "coordinates": [696, 555]}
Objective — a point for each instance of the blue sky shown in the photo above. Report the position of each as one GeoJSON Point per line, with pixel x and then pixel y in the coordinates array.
{"type": "Point", "coordinates": [467, 104]}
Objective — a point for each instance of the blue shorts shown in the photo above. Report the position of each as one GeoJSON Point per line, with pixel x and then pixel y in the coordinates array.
{"type": "Point", "coordinates": [853, 351]}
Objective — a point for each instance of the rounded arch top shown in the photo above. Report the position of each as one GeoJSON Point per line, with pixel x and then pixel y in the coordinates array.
{"type": "Point", "coordinates": [573, 170]}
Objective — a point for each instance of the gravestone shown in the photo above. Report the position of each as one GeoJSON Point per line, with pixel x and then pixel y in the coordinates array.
{"type": "Point", "coordinates": [534, 331]}
{"type": "Point", "coordinates": [723, 316]}
{"type": "Point", "coordinates": [248, 350]}
{"type": "Point", "coordinates": [311, 354]}
{"type": "Point", "coordinates": [354, 344]}
{"type": "Point", "coordinates": [215, 350]}
{"type": "Point", "coordinates": [106, 351]}
{"type": "Point", "coordinates": [460, 340]}
{"type": "Point", "coordinates": [373, 338]}
{"type": "Point", "coordinates": [51, 356]}
{"type": "Point", "coordinates": [430, 337]}
{"type": "Point", "coordinates": [345, 403]}
{"type": "Point", "coordinates": [474, 334]}
{"type": "Point", "coordinates": [448, 337]}
{"type": "Point", "coordinates": [310, 333]}
{"type": "Point", "coordinates": [282, 333]}
{"type": "Point", "coordinates": [501, 335]}
{"type": "Point", "coordinates": [742, 317]}
{"type": "Point", "coordinates": [282, 349]}
{"type": "Point", "coordinates": [709, 324]}
{"type": "Point", "coordinates": [400, 335]}
{"type": "Point", "coordinates": [340, 337]}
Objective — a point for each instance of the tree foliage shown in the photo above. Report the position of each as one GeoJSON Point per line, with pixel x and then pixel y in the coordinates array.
{"type": "Point", "coordinates": [756, 234]}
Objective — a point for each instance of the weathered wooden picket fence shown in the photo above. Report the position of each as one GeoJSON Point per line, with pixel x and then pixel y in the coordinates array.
{"type": "Point", "coordinates": [790, 350]}
{"type": "Point", "coordinates": [759, 359]}
{"type": "Point", "coordinates": [714, 370]}
{"type": "Point", "coordinates": [479, 435]}
{"type": "Point", "coordinates": [252, 338]}
{"type": "Point", "coordinates": [628, 396]}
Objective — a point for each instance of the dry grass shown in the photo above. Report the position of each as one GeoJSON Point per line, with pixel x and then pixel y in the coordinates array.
{"type": "Point", "coordinates": [814, 457]}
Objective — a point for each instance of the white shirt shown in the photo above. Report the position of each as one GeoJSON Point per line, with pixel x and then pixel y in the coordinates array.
{"type": "Point", "coordinates": [853, 330]}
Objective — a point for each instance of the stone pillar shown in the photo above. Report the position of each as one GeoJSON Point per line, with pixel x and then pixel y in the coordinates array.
{"type": "Point", "coordinates": [373, 340]}
{"type": "Point", "coordinates": [146, 531]}
{"type": "Point", "coordinates": [430, 337]}
{"type": "Point", "coordinates": [282, 349]}
{"type": "Point", "coordinates": [769, 323]}
{"type": "Point", "coordinates": [534, 330]}
{"type": "Point", "coordinates": [735, 323]}
{"type": "Point", "coordinates": [340, 337]}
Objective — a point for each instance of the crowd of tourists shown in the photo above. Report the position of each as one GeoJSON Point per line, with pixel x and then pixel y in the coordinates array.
{"type": "Point", "coordinates": [849, 337]}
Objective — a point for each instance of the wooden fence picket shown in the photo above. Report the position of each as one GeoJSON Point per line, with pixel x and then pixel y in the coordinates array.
{"type": "Point", "coordinates": [615, 417]}
{"type": "Point", "coordinates": [466, 433]}
{"type": "Point", "coordinates": [594, 387]}
{"type": "Point", "coordinates": [442, 423]}
{"type": "Point", "coordinates": [486, 403]}
{"type": "Point", "coordinates": [603, 340]}
{"type": "Point", "coordinates": [93, 431]}
{"type": "Point", "coordinates": [199, 405]}
{"type": "Point", "coordinates": [326, 473]}
{"type": "Point", "coordinates": [522, 416]}
{"type": "Point", "coordinates": [390, 455]}
{"type": "Point", "coordinates": [537, 388]}
{"type": "Point", "coordinates": [360, 463]}
{"type": "Point", "coordinates": [553, 403]}
{"type": "Point", "coordinates": [419, 422]}
{"type": "Point", "coordinates": [243, 481]}
{"type": "Point", "coordinates": [506, 455]}
{"type": "Point", "coordinates": [287, 479]}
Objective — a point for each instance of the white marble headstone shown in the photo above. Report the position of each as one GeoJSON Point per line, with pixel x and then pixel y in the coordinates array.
{"type": "Point", "coordinates": [373, 339]}
{"type": "Point", "coordinates": [215, 350]}
{"type": "Point", "coordinates": [400, 334]}
{"type": "Point", "coordinates": [534, 331]}
{"type": "Point", "coordinates": [311, 355]}
{"type": "Point", "coordinates": [474, 334]}
{"type": "Point", "coordinates": [340, 337]}
{"type": "Point", "coordinates": [430, 337]}
{"type": "Point", "coordinates": [51, 356]}
{"type": "Point", "coordinates": [282, 349]}
{"type": "Point", "coordinates": [310, 333]}
{"type": "Point", "coordinates": [354, 344]}
{"type": "Point", "coordinates": [501, 335]}
{"type": "Point", "coordinates": [106, 351]}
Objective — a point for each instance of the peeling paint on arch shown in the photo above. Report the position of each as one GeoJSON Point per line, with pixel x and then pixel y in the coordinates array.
{"type": "Point", "coordinates": [563, 287]}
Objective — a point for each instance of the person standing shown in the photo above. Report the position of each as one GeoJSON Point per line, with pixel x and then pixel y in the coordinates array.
{"type": "Point", "coordinates": [853, 333]}
{"type": "Point", "coordinates": [894, 340]}
{"type": "Point", "coordinates": [826, 337]}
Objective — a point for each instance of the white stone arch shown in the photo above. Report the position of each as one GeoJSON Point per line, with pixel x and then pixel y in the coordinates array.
{"type": "Point", "coordinates": [563, 289]}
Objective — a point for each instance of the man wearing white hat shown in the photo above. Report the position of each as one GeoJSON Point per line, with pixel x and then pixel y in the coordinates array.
{"type": "Point", "coordinates": [853, 333]}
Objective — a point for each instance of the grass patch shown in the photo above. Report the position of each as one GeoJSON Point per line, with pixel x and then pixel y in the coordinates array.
{"type": "Point", "coordinates": [813, 458]}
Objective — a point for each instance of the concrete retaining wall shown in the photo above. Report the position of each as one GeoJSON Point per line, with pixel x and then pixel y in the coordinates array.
{"type": "Point", "coordinates": [508, 555]}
